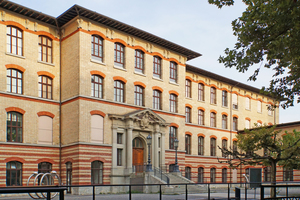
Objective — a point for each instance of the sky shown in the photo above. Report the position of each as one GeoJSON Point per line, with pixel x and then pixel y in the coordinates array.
{"type": "Point", "coordinates": [193, 24]}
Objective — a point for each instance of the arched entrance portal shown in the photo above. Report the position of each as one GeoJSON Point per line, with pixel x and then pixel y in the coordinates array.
{"type": "Point", "coordinates": [137, 155]}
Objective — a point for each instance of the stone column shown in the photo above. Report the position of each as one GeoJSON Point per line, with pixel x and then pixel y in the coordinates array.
{"type": "Point", "coordinates": [155, 146]}
{"type": "Point", "coordinates": [163, 150]}
{"type": "Point", "coordinates": [129, 149]}
{"type": "Point", "coordinates": [114, 146]}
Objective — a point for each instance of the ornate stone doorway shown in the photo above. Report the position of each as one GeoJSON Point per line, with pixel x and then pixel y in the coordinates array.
{"type": "Point", "coordinates": [138, 155]}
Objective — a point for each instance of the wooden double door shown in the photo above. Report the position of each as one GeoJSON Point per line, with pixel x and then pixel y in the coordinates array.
{"type": "Point", "coordinates": [138, 155]}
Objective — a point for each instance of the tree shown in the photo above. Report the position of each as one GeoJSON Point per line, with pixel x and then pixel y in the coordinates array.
{"type": "Point", "coordinates": [278, 149]}
{"type": "Point", "coordinates": [268, 32]}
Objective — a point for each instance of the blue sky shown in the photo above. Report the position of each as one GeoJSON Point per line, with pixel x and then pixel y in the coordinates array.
{"type": "Point", "coordinates": [194, 24]}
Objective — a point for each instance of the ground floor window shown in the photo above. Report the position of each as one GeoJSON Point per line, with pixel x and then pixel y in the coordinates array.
{"type": "Point", "coordinates": [13, 173]}
{"type": "Point", "coordinates": [97, 172]}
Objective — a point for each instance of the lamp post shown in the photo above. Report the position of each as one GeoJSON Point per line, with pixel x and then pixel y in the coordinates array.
{"type": "Point", "coordinates": [176, 167]}
{"type": "Point", "coordinates": [149, 166]}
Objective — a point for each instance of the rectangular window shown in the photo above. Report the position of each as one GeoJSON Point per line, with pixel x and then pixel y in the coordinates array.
{"type": "Point", "coordinates": [224, 146]}
{"type": "Point", "coordinates": [224, 175]}
{"type": "Point", "coordinates": [224, 98]}
{"type": "Point", "coordinates": [119, 138]}
{"type": "Point", "coordinates": [119, 157]}
{"type": "Point", "coordinates": [172, 136]}
{"type": "Point", "coordinates": [14, 39]}
{"type": "Point", "coordinates": [187, 115]}
{"type": "Point", "coordinates": [173, 103]}
{"type": "Point", "coordinates": [259, 106]}
{"type": "Point", "coordinates": [200, 92]}
{"type": "Point", "coordinates": [139, 61]}
{"type": "Point", "coordinates": [156, 67]}
{"type": "Point", "coordinates": [187, 144]}
{"type": "Point", "coordinates": [200, 145]}
{"type": "Point", "coordinates": [234, 101]}
{"type": "Point", "coordinates": [213, 119]}
{"type": "Point", "coordinates": [188, 92]}
{"type": "Point", "coordinates": [138, 95]}
{"type": "Point", "coordinates": [97, 48]}
{"type": "Point", "coordinates": [247, 124]}
{"type": "Point", "coordinates": [119, 55]}
{"type": "Point", "coordinates": [45, 49]}
{"type": "Point", "coordinates": [156, 99]}
{"type": "Point", "coordinates": [224, 121]}
{"type": "Point", "coordinates": [119, 91]}
{"type": "Point", "coordinates": [212, 147]}
{"type": "Point", "coordinates": [248, 101]}
{"type": "Point", "coordinates": [213, 95]}
{"type": "Point", "coordinates": [200, 117]}
{"type": "Point", "coordinates": [159, 142]}
{"type": "Point", "coordinates": [173, 72]}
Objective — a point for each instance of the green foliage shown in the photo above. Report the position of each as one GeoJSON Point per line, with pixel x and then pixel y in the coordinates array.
{"type": "Point", "coordinates": [268, 32]}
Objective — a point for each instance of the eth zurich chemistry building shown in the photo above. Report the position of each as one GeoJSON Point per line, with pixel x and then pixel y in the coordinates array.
{"type": "Point", "coordinates": [80, 94]}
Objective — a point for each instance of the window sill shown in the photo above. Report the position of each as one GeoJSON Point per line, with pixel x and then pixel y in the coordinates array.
{"type": "Point", "coordinates": [158, 79]}
{"type": "Point", "coordinates": [201, 101]}
{"type": "Point", "coordinates": [224, 106]}
{"type": "Point", "coordinates": [247, 109]}
{"type": "Point", "coordinates": [120, 68]}
{"type": "Point", "coordinates": [173, 83]}
{"type": "Point", "coordinates": [213, 104]}
{"type": "Point", "coordinates": [97, 61]}
{"type": "Point", "coordinates": [15, 55]}
{"type": "Point", "coordinates": [188, 98]}
{"type": "Point", "coordinates": [138, 73]}
{"type": "Point", "coordinates": [46, 63]}
{"type": "Point", "coordinates": [259, 112]}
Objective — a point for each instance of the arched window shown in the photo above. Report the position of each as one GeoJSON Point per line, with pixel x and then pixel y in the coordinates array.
{"type": "Point", "coordinates": [213, 95]}
{"type": "Point", "coordinates": [44, 167]}
{"type": "Point", "coordinates": [119, 55]}
{"type": "Point", "coordinates": [97, 47]}
{"type": "Point", "coordinates": [45, 87]}
{"type": "Point", "coordinates": [247, 123]}
{"type": "Point", "coordinates": [157, 99]}
{"type": "Point", "coordinates": [235, 124]}
{"type": "Point", "coordinates": [45, 49]}
{"type": "Point", "coordinates": [201, 145]}
{"type": "Point", "coordinates": [68, 176]}
{"type": "Point", "coordinates": [173, 103]}
{"type": "Point", "coordinates": [172, 136]}
{"type": "Point", "coordinates": [14, 81]}
{"type": "Point", "coordinates": [224, 146]}
{"type": "Point", "coordinates": [97, 172]}
{"type": "Point", "coordinates": [14, 127]}
{"type": "Point", "coordinates": [200, 92]}
{"type": "Point", "coordinates": [224, 98]}
{"type": "Point", "coordinates": [173, 72]}
{"type": "Point", "coordinates": [14, 40]}
{"type": "Point", "coordinates": [13, 173]}
{"type": "Point", "coordinates": [119, 91]}
{"type": "Point", "coordinates": [200, 175]}
{"type": "Point", "coordinates": [224, 175]}
{"type": "Point", "coordinates": [139, 61]}
{"type": "Point", "coordinates": [213, 120]}
{"type": "Point", "coordinates": [156, 67]}
{"type": "Point", "coordinates": [187, 114]}
{"type": "Point", "coordinates": [212, 147]}
{"type": "Point", "coordinates": [45, 130]}
{"type": "Point", "coordinates": [97, 86]}
{"type": "Point", "coordinates": [235, 101]}
{"type": "Point", "coordinates": [248, 103]}
{"type": "Point", "coordinates": [213, 175]}
{"type": "Point", "coordinates": [188, 90]}
{"type": "Point", "coordinates": [138, 95]}
{"type": "Point", "coordinates": [259, 106]}
{"type": "Point", "coordinates": [187, 144]}
{"type": "Point", "coordinates": [188, 173]}
{"type": "Point", "coordinates": [97, 128]}
{"type": "Point", "coordinates": [200, 117]}
{"type": "Point", "coordinates": [224, 121]}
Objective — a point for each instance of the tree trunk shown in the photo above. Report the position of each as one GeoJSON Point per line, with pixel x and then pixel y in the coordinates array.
{"type": "Point", "coordinates": [273, 179]}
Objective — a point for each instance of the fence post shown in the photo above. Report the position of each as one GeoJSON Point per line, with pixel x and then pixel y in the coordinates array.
{"type": "Point", "coordinates": [186, 192]}
{"type": "Point", "coordinates": [262, 192]}
{"type": "Point", "coordinates": [228, 191]}
{"type": "Point", "coordinates": [48, 195]}
{"type": "Point", "coordinates": [245, 191]}
{"type": "Point", "coordinates": [61, 195]}
{"type": "Point", "coordinates": [208, 191]}
{"type": "Point", "coordinates": [287, 191]}
{"type": "Point", "coordinates": [129, 192]}
{"type": "Point", "coordinates": [159, 191]}
{"type": "Point", "coordinates": [94, 198]}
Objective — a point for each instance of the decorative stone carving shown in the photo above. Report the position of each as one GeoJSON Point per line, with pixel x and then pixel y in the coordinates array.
{"type": "Point", "coordinates": [133, 41]}
{"type": "Point", "coordinates": [2, 16]}
{"type": "Point", "coordinates": [63, 32]}
{"type": "Point", "coordinates": [35, 26]}
{"type": "Point", "coordinates": [26, 23]}
{"type": "Point", "coordinates": [128, 40]}
{"type": "Point", "coordinates": [112, 34]}
{"type": "Point", "coordinates": [145, 121]}
{"type": "Point", "coordinates": [89, 26]}
{"type": "Point", "coordinates": [107, 32]}
{"type": "Point", "coordinates": [79, 22]}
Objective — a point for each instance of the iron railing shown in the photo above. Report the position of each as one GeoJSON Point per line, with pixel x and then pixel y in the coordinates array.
{"type": "Point", "coordinates": [158, 173]}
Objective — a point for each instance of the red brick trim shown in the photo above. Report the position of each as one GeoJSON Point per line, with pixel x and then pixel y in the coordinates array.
{"type": "Point", "coordinates": [16, 24]}
{"type": "Point", "coordinates": [201, 166]}
{"type": "Point", "coordinates": [14, 66]}
{"type": "Point", "coordinates": [188, 78]}
{"type": "Point", "coordinates": [213, 85]}
{"type": "Point", "coordinates": [96, 72]}
{"type": "Point", "coordinates": [21, 160]}
{"type": "Point", "coordinates": [117, 40]}
{"type": "Point", "coordinates": [247, 118]}
{"type": "Point", "coordinates": [213, 166]}
{"type": "Point", "coordinates": [202, 82]}
{"type": "Point", "coordinates": [140, 84]}
{"type": "Point", "coordinates": [15, 109]}
{"type": "Point", "coordinates": [173, 92]}
{"type": "Point", "coordinates": [157, 88]}
{"type": "Point", "coordinates": [119, 78]}
{"type": "Point", "coordinates": [188, 105]}
{"type": "Point", "coordinates": [174, 60]}
{"type": "Point", "coordinates": [40, 33]}
{"type": "Point", "coordinates": [188, 133]}
{"type": "Point", "coordinates": [225, 89]}
{"type": "Point", "coordinates": [97, 158]}
{"type": "Point", "coordinates": [224, 113]}
{"type": "Point", "coordinates": [68, 160]}
{"type": "Point", "coordinates": [44, 73]}
{"type": "Point", "coordinates": [270, 124]}
{"type": "Point", "coordinates": [157, 54]}
{"type": "Point", "coordinates": [201, 108]}
{"type": "Point", "coordinates": [224, 138]}
{"type": "Point", "coordinates": [200, 134]}
{"type": "Point", "coordinates": [45, 160]}
{"type": "Point", "coordinates": [94, 32]}
{"type": "Point", "coordinates": [259, 121]}
{"type": "Point", "coordinates": [224, 166]}
{"type": "Point", "coordinates": [235, 116]}
{"type": "Point", "coordinates": [98, 112]}
{"type": "Point", "coordinates": [214, 111]}
{"type": "Point", "coordinates": [188, 165]}
{"type": "Point", "coordinates": [234, 139]}
{"type": "Point", "coordinates": [174, 124]}
{"type": "Point", "coordinates": [213, 136]}
{"type": "Point", "coordinates": [45, 113]}
{"type": "Point", "coordinates": [139, 48]}
{"type": "Point", "coordinates": [235, 92]}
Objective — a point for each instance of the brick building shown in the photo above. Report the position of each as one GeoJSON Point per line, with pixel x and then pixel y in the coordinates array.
{"type": "Point", "coordinates": [80, 93]}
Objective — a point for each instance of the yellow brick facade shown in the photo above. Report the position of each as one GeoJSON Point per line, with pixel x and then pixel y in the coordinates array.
{"type": "Point", "coordinates": [72, 105]}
